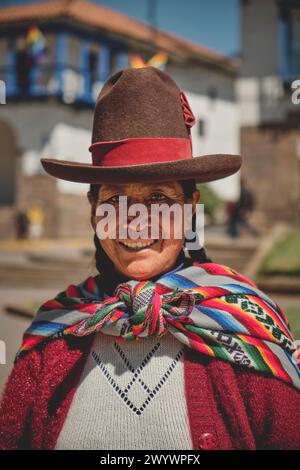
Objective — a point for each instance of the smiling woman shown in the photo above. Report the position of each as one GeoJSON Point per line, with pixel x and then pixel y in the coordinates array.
{"type": "Point", "coordinates": [148, 257]}
{"type": "Point", "coordinates": [163, 348]}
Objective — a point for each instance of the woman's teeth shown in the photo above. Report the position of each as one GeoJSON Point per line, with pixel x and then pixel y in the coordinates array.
{"type": "Point", "coordinates": [138, 245]}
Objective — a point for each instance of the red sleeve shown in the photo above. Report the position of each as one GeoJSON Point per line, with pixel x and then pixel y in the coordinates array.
{"type": "Point", "coordinates": [273, 408]}
{"type": "Point", "coordinates": [16, 400]}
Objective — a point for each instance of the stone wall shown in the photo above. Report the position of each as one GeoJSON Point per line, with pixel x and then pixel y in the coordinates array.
{"type": "Point", "coordinates": [272, 169]}
{"type": "Point", "coordinates": [73, 216]}
{"type": "Point", "coordinates": [66, 215]}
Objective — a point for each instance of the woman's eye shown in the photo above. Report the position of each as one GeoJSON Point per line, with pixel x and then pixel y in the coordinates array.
{"type": "Point", "coordinates": [113, 199]}
{"type": "Point", "coordinates": [158, 197]}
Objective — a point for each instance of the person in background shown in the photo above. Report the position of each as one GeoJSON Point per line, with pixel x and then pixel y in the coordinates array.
{"type": "Point", "coordinates": [36, 222]}
{"type": "Point", "coordinates": [238, 212]}
{"type": "Point", "coordinates": [21, 224]}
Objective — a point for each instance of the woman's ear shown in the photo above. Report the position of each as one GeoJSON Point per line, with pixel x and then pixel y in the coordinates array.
{"type": "Point", "coordinates": [90, 197]}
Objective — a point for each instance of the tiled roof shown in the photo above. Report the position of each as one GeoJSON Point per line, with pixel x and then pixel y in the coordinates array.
{"type": "Point", "coordinates": [113, 22]}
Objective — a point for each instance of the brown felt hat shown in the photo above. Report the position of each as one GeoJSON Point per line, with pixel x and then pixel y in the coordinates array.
{"type": "Point", "coordinates": [142, 132]}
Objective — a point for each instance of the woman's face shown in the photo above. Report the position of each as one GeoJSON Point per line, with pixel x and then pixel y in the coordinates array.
{"type": "Point", "coordinates": [143, 258]}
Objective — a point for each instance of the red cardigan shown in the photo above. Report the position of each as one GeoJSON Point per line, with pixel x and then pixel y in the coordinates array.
{"type": "Point", "coordinates": [229, 406]}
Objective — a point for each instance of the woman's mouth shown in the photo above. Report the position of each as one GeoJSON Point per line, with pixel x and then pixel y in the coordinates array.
{"type": "Point", "coordinates": [137, 245]}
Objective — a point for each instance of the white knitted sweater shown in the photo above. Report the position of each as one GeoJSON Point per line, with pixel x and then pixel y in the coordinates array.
{"type": "Point", "coordinates": [130, 396]}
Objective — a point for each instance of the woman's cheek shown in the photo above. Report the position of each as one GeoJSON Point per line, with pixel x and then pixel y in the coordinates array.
{"type": "Point", "coordinates": [176, 226]}
{"type": "Point", "coordinates": [106, 227]}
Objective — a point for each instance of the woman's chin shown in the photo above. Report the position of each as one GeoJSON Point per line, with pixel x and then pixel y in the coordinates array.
{"type": "Point", "coordinates": [145, 263]}
{"type": "Point", "coordinates": [147, 268]}
{"type": "Point", "coordinates": [141, 264]}
{"type": "Point", "coordinates": [142, 270]}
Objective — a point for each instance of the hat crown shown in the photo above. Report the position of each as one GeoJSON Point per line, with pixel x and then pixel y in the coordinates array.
{"type": "Point", "coordinates": [139, 103]}
{"type": "Point", "coordinates": [142, 132]}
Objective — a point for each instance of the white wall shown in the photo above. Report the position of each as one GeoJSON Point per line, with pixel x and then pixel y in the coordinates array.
{"type": "Point", "coordinates": [221, 135]}
{"type": "Point", "coordinates": [51, 131]}
{"type": "Point", "coordinates": [220, 116]}
{"type": "Point", "coordinates": [70, 143]}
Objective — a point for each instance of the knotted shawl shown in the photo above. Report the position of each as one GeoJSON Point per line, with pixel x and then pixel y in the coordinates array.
{"type": "Point", "coordinates": [209, 307]}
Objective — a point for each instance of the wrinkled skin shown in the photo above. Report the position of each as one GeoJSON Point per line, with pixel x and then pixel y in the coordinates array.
{"type": "Point", "coordinates": [158, 257]}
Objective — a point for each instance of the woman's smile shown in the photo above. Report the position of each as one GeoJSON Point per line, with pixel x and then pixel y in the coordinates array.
{"type": "Point", "coordinates": [138, 245]}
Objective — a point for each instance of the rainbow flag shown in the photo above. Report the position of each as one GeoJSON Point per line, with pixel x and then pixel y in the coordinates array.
{"type": "Point", "coordinates": [137, 61]}
{"type": "Point", "coordinates": [36, 43]}
{"type": "Point", "coordinates": [159, 60]}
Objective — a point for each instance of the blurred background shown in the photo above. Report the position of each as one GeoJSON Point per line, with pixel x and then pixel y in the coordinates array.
{"type": "Point", "coordinates": [238, 62]}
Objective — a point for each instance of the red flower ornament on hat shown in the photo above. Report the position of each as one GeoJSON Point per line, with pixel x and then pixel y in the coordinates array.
{"type": "Point", "coordinates": [188, 115]}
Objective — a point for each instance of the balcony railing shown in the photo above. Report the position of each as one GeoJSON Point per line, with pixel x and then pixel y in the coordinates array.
{"type": "Point", "coordinates": [70, 84]}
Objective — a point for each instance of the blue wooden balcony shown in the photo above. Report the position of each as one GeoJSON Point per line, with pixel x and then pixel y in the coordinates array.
{"type": "Point", "coordinates": [71, 84]}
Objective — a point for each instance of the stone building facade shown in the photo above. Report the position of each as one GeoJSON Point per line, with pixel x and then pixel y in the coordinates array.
{"type": "Point", "coordinates": [270, 121]}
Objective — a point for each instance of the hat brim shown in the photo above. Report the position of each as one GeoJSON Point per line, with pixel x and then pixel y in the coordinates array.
{"type": "Point", "coordinates": [202, 169]}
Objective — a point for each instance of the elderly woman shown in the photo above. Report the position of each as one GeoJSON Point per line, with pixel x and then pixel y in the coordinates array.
{"type": "Point", "coordinates": [163, 349]}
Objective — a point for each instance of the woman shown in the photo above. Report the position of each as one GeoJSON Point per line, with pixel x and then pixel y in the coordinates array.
{"type": "Point", "coordinates": [163, 339]}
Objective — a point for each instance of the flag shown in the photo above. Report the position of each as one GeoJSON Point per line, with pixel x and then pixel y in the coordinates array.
{"type": "Point", "coordinates": [36, 43]}
{"type": "Point", "coordinates": [159, 61]}
{"type": "Point", "coordinates": [137, 61]}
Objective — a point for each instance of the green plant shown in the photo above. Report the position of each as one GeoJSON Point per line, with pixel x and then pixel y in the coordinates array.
{"type": "Point", "coordinates": [209, 198]}
{"type": "Point", "coordinates": [284, 257]}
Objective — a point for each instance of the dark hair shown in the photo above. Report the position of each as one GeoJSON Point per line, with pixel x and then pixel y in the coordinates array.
{"type": "Point", "coordinates": [103, 262]}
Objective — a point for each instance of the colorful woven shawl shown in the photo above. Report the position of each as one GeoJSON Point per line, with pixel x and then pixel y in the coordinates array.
{"type": "Point", "coordinates": [209, 307]}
